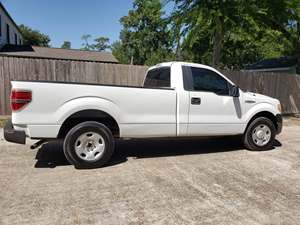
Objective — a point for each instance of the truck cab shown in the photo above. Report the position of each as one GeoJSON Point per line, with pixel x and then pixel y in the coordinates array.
{"type": "Point", "coordinates": [208, 103]}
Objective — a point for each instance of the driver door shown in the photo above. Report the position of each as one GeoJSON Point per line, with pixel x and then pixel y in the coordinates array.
{"type": "Point", "coordinates": [212, 111]}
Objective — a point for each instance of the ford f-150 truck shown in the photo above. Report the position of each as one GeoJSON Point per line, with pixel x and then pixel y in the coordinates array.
{"type": "Point", "coordinates": [177, 99]}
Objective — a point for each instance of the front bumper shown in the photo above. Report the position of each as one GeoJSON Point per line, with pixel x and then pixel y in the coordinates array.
{"type": "Point", "coordinates": [12, 135]}
{"type": "Point", "coordinates": [279, 123]}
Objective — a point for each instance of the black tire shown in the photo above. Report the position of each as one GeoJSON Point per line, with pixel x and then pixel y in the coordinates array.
{"type": "Point", "coordinates": [82, 129]}
{"type": "Point", "coordinates": [248, 139]}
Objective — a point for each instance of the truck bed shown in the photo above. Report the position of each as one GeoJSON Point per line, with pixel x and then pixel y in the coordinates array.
{"type": "Point", "coordinates": [139, 111]}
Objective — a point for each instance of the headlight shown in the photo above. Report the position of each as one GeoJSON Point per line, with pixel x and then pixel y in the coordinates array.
{"type": "Point", "coordinates": [279, 107]}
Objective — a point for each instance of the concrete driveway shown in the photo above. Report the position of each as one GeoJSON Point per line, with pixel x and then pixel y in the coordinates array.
{"type": "Point", "coordinates": [208, 181]}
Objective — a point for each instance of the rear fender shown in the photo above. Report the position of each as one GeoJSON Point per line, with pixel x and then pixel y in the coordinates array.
{"type": "Point", "coordinates": [87, 103]}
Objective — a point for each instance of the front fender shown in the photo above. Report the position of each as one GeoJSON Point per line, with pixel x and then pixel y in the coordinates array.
{"type": "Point", "coordinates": [87, 103]}
{"type": "Point", "coordinates": [260, 107]}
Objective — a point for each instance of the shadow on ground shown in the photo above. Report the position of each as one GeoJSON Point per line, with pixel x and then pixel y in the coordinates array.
{"type": "Point", "coordinates": [51, 154]}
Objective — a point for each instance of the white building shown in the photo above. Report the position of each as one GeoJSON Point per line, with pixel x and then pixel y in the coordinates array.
{"type": "Point", "coordinates": [9, 30]}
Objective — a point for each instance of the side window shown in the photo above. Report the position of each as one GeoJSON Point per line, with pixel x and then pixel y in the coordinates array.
{"type": "Point", "coordinates": [207, 80]}
{"type": "Point", "coordinates": [158, 78]}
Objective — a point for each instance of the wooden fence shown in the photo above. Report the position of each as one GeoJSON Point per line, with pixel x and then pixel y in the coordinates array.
{"type": "Point", "coordinates": [285, 87]}
{"type": "Point", "coordinates": [13, 68]}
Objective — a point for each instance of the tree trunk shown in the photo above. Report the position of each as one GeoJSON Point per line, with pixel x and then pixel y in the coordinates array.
{"type": "Point", "coordinates": [177, 51]}
{"type": "Point", "coordinates": [218, 41]}
{"type": "Point", "coordinates": [131, 60]}
{"type": "Point", "coordinates": [178, 36]}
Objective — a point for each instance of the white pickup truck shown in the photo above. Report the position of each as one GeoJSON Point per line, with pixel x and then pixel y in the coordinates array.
{"type": "Point", "coordinates": [177, 100]}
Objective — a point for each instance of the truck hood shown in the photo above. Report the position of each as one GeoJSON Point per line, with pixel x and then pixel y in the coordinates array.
{"type": "Point", "coordinates": [259, 98]}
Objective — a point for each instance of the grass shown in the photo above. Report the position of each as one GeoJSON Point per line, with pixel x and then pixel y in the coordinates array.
{"type": "Point", "coordinates": [3, 120]}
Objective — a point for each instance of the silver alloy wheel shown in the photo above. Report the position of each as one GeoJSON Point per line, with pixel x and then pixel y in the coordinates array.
{"type": "Point", "coordinates": [89, 146]}
{"type": "Point", "coordinates": [261, 135]}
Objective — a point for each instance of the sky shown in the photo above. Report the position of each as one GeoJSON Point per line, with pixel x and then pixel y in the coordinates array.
{"type": "Point", "coordinates": [68, 20]}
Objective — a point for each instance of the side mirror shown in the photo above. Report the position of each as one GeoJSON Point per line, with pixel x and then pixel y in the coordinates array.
{"type": "Point", "coordinates": [235, 91]}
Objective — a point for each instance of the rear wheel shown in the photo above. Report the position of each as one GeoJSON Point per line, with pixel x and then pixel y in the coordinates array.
{"type": "Point", "coordinates": [260, 134]}
{"type": "Point", "coordinates": [89, 145]}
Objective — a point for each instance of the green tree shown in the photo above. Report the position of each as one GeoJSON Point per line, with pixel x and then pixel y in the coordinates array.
{"type": "Point", "coordinates": [101, 44]}
{"type": "Point", "coordinates": [206, 24]}
{"type": "Point", "coordinates": [282, 16]}
{"type": "Point", "coordinates": [119, 51]}
{"type": "Point", "coordinates": [34, 37]}
{"type": "Point", "coordinates": [145, 38]}
{"type": "Point", "coordinates": [66, 45]}
{"type": "Point", "coordinates": [241, 48]}
{"type": "Point", "coordinates": [230, 34]}
{"type": "Point", "coordinates": [86, 45]}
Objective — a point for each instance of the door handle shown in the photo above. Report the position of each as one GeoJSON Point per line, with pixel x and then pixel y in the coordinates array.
{"type": "Point", "coordinates": [195, 101]}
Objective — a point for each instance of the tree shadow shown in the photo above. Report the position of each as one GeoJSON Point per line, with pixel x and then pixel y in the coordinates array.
{"type": "Point", "coordinates": [51, 154]}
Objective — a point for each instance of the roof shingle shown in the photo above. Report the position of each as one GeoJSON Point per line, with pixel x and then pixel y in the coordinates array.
{"type": "Point", "coordinates": [57, 53]}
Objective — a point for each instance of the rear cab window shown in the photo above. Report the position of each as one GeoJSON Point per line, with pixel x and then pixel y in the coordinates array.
{"type": "Point", "coordinates": [158, 78]}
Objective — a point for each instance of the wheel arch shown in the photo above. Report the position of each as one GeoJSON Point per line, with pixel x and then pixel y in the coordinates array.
{"type": "Point", "coordinates": [266, 114]}
{"type": "Point", "coordinates": [89, 115]}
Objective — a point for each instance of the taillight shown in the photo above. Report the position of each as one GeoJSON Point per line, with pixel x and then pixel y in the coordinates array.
{"type": "Point", "coordinates": [19, 99]}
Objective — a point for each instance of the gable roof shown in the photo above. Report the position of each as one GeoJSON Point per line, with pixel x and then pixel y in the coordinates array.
{"type": "Point", "coordinates": [274, 63]}
{"type": "Point", "coordinates": [57, 53]}
{"type": "Point", "coordinates": [5, 11]}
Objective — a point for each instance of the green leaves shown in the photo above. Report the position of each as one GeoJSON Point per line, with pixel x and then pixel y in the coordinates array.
{"type": "Point", "coordinates": [223, 33]}
{"type": "Point", "coordinates": [34, 37]}
{"type": "Point", "coordinates": [85, 45]}
{"type": "Point", "coordinates": [100, 44]}
{"type": "Point", "coordinates": [66, 45]}
{"type": "Point", "coordinates": [145, 37]}
{"type": "Point", "coordinates": [232, 33]}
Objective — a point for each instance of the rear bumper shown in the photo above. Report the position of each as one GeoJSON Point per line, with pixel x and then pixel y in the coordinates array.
{"type": "Point", "coordinates": [279, 123]}
{"type": "Point", "coordinates": [12, 135]}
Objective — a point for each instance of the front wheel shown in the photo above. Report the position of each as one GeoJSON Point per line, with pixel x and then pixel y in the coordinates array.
{"type": "Point", "coordinates": [260, 134]}
{"type": "Point", "coordinates": [89, 145]}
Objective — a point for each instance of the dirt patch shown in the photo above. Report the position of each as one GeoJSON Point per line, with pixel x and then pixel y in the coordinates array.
{"type": "Point", "coordinates": [292, 120]}
{"type": "Point", "coordinates": [199, 181]}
